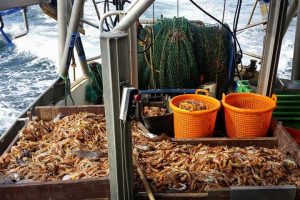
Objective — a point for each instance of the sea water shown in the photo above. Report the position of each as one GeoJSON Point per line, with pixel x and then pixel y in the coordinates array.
{"type": "Point", "coordinates": [29, 66]}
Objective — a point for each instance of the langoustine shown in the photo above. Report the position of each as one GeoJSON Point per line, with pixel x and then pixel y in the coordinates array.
{"type": "Point", "coordinates": [71, 148]}
{"type": "Point", "coordinates": [185, 168]}
{"type": "Point", "coordinates": [76, 147]}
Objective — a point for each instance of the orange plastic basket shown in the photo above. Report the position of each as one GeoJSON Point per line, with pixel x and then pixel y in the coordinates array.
{"type": "Point", "coordinates": [248, 115]}
{"type": "Point", "coordinates": [197, 123]}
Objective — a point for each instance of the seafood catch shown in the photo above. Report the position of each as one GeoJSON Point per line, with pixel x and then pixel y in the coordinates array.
{"type": "Point", "coordinates": [192, 105]}
{"type": "Point", "coordinates": [171, 167]}
{"type": "Point", "coordinates": [71, 148]}
{"type": "Point", "coordinates": [75, 147]}
{"type": "Point", "coordinates": [152, 111]}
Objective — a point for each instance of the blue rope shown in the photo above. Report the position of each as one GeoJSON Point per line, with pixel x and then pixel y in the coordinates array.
{"type": "Point", "coordinates": [168, 91]}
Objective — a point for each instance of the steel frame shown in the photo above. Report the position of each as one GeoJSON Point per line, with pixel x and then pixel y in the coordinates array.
{"type": "Point", "coordinates": [272, 46]}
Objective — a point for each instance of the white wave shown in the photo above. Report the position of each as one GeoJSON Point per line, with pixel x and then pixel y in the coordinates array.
{"type": "Point", "coordinates": [7, 117]}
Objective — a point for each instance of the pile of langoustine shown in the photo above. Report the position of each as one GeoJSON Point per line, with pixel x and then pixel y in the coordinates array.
{"type": "Point", "coordinates": [169, 166]}
{"type": "Point", "coordinates": [76, 147]}
{"type": "Point", "coordinates": [71, 148]}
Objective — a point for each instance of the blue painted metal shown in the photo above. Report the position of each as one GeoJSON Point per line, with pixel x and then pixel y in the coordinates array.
{"type": "Point", "coordinates": [6, 38]}
{"type": "Point", "coordinates": [3, 13]}
{"type": "Point", "coordinates": [80, 49]}
{"type": "Point", "coordinates": [10, 11]}
{"type": "Point", "coordinates": [71, 47]}
{"type": "Point", "coordinates": [231, 58]}
{"type": "Point", "coordinates": [168, 91]}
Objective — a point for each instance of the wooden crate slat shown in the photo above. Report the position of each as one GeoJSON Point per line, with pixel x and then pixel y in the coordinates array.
{"type": "Point", "coordinates": [286, 144]}
{"type": "Point", "coordinates": [50, 112]}
{"type": "Point", "coordinates": [170, 196]}
{"type": "Point", "coordinates": [269, 142]}
{"type": "Point", "coordinates": [57, 190]}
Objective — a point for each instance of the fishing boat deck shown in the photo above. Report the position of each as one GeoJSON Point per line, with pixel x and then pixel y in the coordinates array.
{"type": "Point", "coordinates": [98, 188]}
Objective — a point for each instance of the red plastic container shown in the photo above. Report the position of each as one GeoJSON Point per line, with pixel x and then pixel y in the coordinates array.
{"type": "Point", "coordinates": [294, 133]}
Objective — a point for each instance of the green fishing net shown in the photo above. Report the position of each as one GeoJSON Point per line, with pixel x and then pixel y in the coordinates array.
{"type": "Point", "coordinates": [94, 88]}
{"type": "Point", "coordinates": [181, 52]}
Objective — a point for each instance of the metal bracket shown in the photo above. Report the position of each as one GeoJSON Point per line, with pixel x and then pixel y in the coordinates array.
{"type": "Point", "coordinates": [128, 103]}
{"type": "Point", "coordinates": [25, 18]}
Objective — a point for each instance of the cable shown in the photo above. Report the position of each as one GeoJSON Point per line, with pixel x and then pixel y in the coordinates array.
{"type": "Point", "coordinates": [240, 53]}
{"type": "Point", "coordinates": [235, 13]}
{"type": "Point", "coordinates": [228, 29]}
{"type": "Point", "coordinates": [119, 5]}
{"type": "Point", "coordinates": [237, 16]}
{"type": "Point", "coordinates": [105, 20]}
{"type": "Point", "coordinates": [146, 49]}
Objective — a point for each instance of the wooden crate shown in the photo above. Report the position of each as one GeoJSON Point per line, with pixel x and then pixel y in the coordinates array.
{"type": "Point", "coordinates": [50, 112]}
{"type": "Point", "coordinates": [281, 139]}
{"type": "Point", "coordinates": [69, 189]}
{"type": "Point", "coordinates": [98, 188]}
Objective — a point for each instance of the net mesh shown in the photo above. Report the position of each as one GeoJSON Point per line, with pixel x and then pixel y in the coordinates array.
{"type": "Point", "coordinates": [94, 88]}
{"type": "Point", "coordinates": [181, 52]}
{"type": "Point", "coordinates": [173, 58]}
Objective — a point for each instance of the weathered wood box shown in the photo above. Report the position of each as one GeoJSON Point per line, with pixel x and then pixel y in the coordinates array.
{"type": "Point", "coordinates": [98, 188]}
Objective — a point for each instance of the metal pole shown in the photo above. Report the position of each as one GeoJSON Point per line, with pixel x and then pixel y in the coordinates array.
{"type": "Point", "coordinates": [96, 9]}
{"type": "Point", "coordinates": [139, 8]}
{"type": "Point", "coordinates": [25, 18]}
{"type": "Point", "coordinates": [69, 10]}
{"type": "Point", "coordinates": [93, 58]}
{"type": "Point", "coordinates": [252, 54]}
{"type": "Point", "coordinates": [115, 48]}
{"type": "Point", "coordinates": [62, 28]}
{"type": "Point", "coordinates": [71, 36]}
{"type": "Point", "coordinates": [90, 23]}
{"type": "Point", "coordinates": [296, 59]}
{"type": "Point", "coordinates": [79, 46]}
{"type": "Point", "coordinates": [291, 13]}
{"type": "Point", "coordinates": [130, 6]}
{"type": "Point", "coordinates": [133, 56]}
{"type": "Point", "coordinates": [251, 25]}
{"type": "Point", "coordinates": [252, 12]}
{"type": "Point", "coordinates": [115, 70]}
{"type": "Point", "coordinates": [82, 57]}
{"type": "Point", "coordinates": [177, 8]}
{"type": "Point", "coordinates": [272, 45]}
